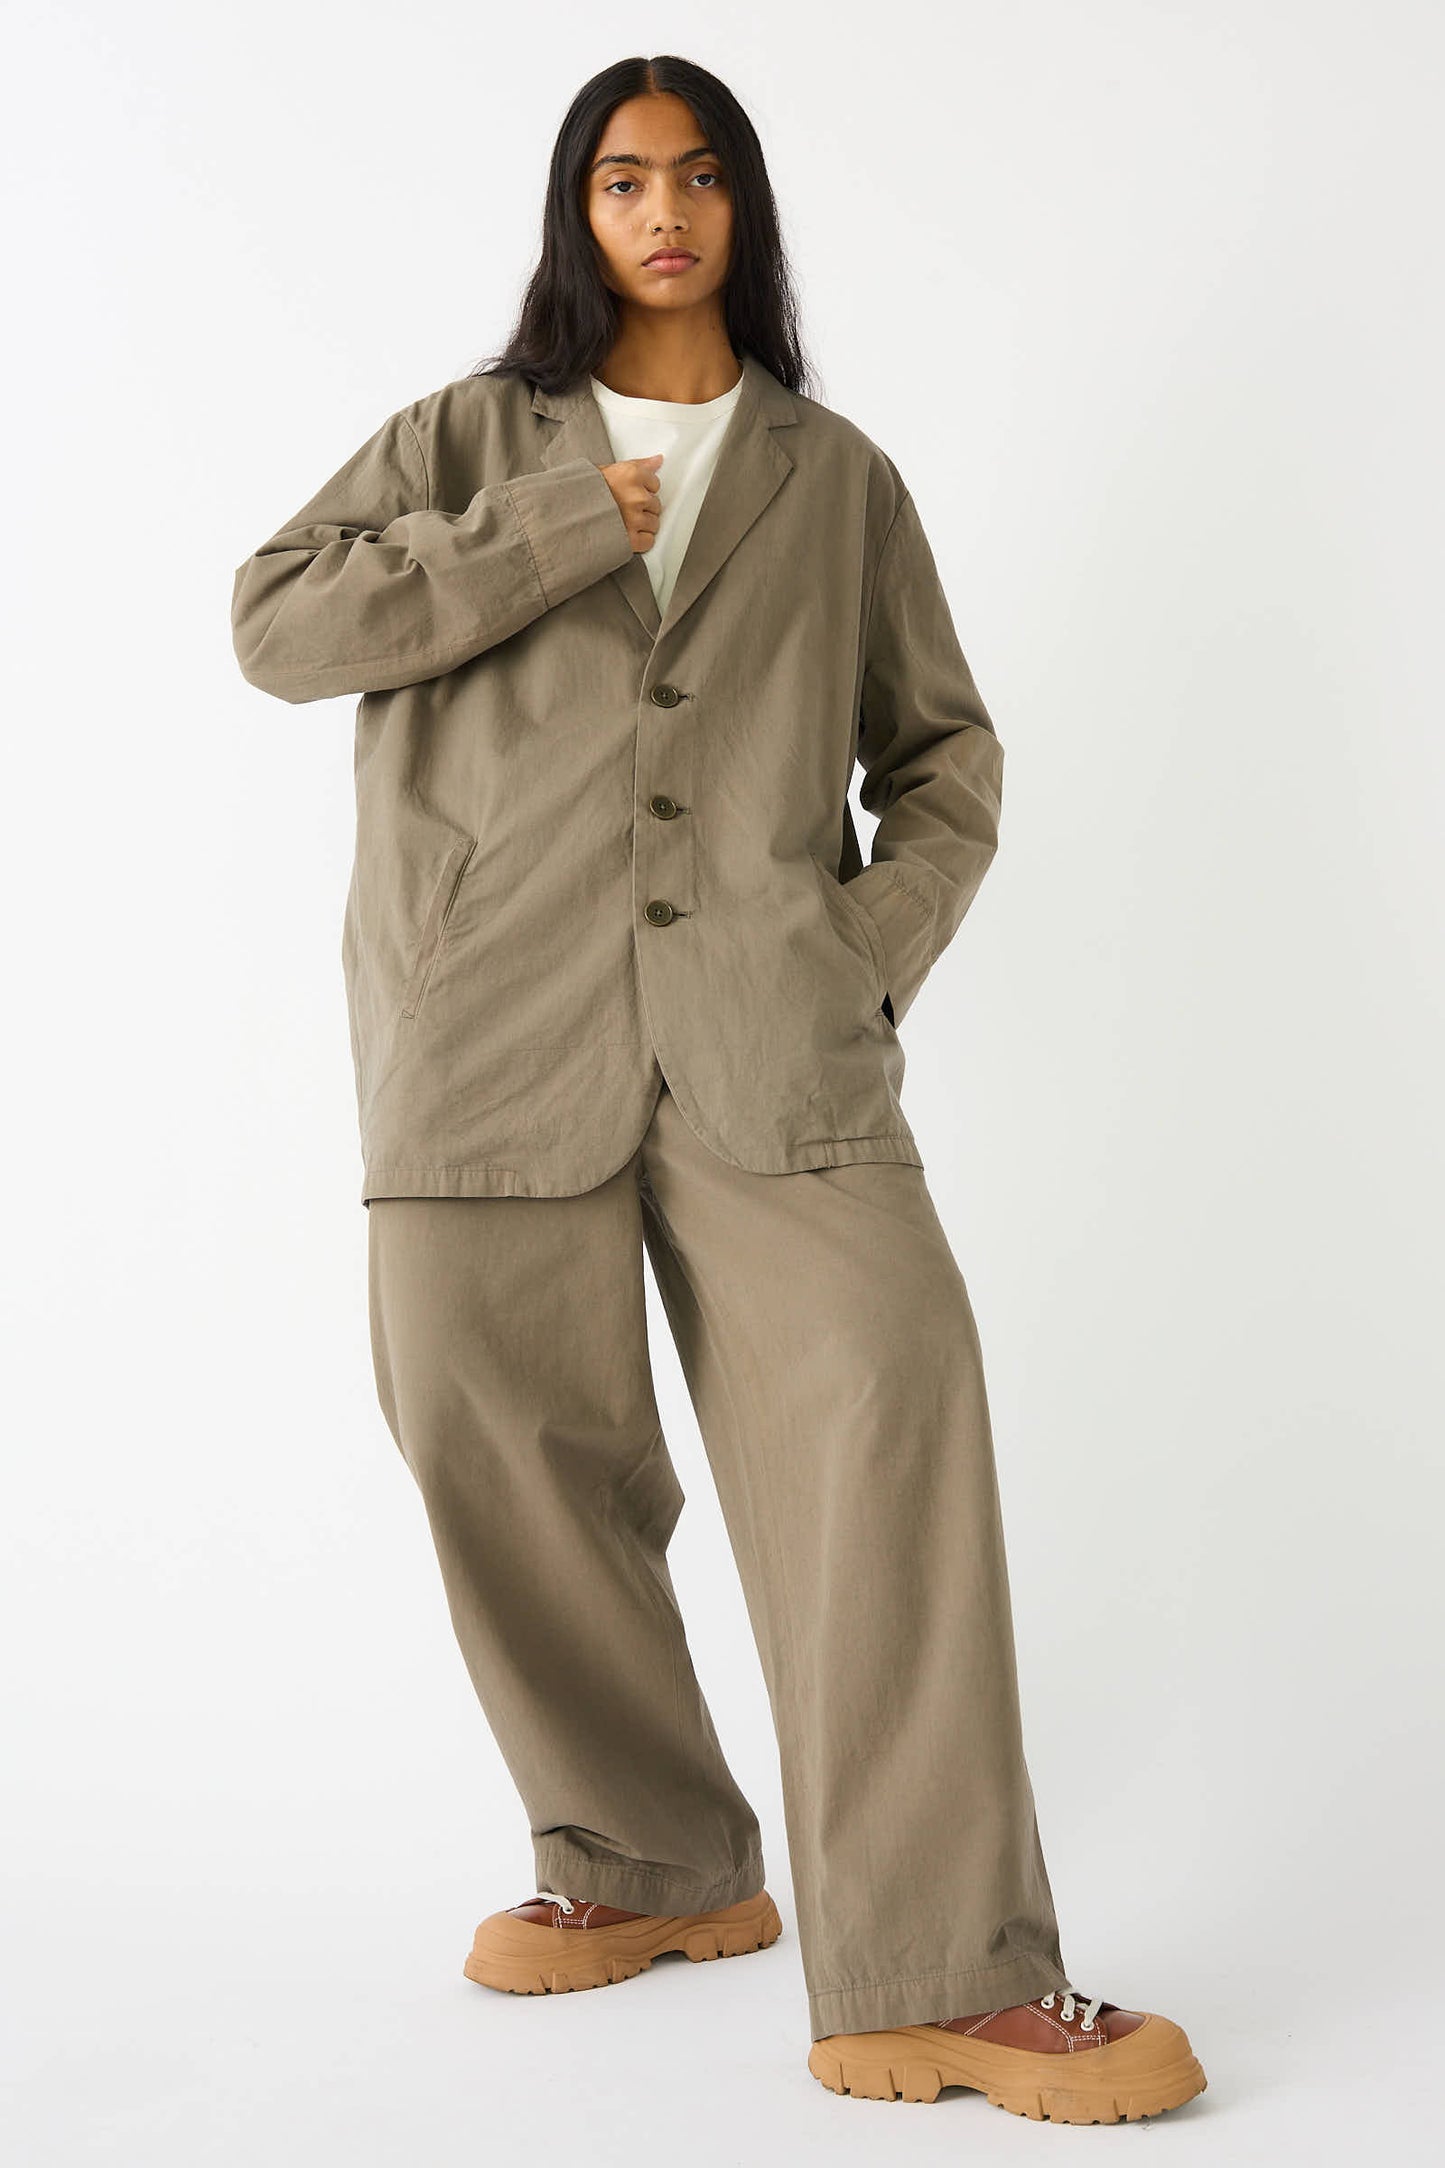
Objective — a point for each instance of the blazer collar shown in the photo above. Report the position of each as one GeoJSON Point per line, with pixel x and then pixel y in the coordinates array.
{"type": "Point", "coordinates": [751, 466]}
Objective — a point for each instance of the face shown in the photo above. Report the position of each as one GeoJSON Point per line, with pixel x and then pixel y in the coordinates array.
{"type": "Point", "coordinates": [655, 185]}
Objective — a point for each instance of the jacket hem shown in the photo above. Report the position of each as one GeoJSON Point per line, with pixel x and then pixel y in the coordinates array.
{"type": "Point", "coordinates": [483, 1180]}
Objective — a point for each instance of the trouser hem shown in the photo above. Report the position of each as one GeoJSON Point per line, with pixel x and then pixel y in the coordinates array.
{"type": "Point", "coordinates": [638, 1885]}
{"type": "Point", "coordinates": [875, 2005]}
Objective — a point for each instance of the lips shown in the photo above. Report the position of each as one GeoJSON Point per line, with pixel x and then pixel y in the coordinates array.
{"type": "Point", "coordinates": [668, 258]}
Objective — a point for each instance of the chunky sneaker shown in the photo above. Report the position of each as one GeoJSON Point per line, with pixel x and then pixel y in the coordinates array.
{"type": "Point", "coordinates": [1069, 2057]}
{"type": "Point", "coordinates": [551, 1944]}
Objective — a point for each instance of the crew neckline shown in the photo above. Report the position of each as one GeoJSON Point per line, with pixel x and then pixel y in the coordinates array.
{"type": "Point", "coordinates": [668, 406]}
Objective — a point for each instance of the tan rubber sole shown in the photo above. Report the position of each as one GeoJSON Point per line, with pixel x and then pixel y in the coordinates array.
{"type": "Point", "coordinates": [1145, 2072]}
{"type": "Point", "coordinates": [521, 1958]}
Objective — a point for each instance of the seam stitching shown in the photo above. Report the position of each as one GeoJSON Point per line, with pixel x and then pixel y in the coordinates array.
{"type": "Point", "coordinates": [532, 554]}
{"type": "Point", "coordinates": [896, 881]}
{"type": "Point", "coordinates": [943, 1972]}
{"type": "Point", "coordinates": [421, 454]}
{"type": "Point", "coordinates": [664, 1874]}
{"type": "Point", "coordinates": [906, 498]}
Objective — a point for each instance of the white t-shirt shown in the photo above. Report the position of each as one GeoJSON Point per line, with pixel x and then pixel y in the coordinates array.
{"type": "Point", "coordinates": [688, 436]}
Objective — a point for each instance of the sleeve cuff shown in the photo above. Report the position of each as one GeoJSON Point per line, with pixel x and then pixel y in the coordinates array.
{"type": "Point", "coordinates": [573, 526]}
{"type": "Point", "coordinates": [905, 928]}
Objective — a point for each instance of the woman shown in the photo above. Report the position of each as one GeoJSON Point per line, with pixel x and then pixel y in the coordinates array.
{"type": "Point", "coordinates": [622, 610]}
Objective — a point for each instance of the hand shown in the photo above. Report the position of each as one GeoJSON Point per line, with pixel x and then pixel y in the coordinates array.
{"type": "Point", "coordinates": [637, 488]}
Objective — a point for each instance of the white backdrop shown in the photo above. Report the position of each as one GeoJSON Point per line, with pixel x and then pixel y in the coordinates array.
{"type": "Point", "coordinates": [1143, 299]}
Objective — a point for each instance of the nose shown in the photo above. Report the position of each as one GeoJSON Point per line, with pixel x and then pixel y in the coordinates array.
{"type": "Point", "coordinates": [672, 212]}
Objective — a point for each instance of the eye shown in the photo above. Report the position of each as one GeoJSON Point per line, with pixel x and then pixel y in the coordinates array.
{"type": "Point", "coordinates": [623, 182]}
{"type": "Point", "coordinates": [716, 178]}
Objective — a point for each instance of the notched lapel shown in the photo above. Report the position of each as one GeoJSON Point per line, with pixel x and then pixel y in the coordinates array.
{"type": "Point", "coordinates": [751, 467]}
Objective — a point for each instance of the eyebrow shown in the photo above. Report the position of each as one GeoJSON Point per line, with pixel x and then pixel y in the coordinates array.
{"type": "Point", "coordinates": [631, 158]}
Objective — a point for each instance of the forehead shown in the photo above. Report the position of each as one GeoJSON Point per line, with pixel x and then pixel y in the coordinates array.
{"type": "Point", "coordinates": [656, 131]}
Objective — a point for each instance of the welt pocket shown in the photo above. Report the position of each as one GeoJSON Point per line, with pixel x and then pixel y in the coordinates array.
{"type": "Point", "coordinates": [433, 932]}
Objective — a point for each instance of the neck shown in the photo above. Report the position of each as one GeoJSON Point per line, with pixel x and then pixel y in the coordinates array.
{"type": "Point", "coordinates": [671, 359]}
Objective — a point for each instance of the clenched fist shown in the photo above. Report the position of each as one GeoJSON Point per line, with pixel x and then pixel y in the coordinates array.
{"type": "Point", "coordinates": [636, 486]}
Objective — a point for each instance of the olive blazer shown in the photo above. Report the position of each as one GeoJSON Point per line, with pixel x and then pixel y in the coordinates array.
{"type": "Point", "coordinates": [588, 835]}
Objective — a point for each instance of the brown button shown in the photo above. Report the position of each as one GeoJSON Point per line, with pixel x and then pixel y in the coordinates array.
{"type": "Point", "coordinates": [665, 696]}
{"type": "Point", "coordinates": [658, 912]}
{"type": "Point", "coordinates": [664, 808]}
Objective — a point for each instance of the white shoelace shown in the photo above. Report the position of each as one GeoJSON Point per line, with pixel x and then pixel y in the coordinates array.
{"type": "Point", "coordinates": [1088, 2003]}
{"type": "Point", "coordinates": [550, 1896]}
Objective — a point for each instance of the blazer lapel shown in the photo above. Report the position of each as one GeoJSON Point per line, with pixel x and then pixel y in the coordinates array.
{"type": "Point", "coordinates": [751, 467]}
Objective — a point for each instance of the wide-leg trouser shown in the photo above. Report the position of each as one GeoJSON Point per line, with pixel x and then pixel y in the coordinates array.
{"type": "Point", "coordinates": [830, 1351]}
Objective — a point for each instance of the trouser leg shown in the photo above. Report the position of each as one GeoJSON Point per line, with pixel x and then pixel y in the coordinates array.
{"type": "Point", "coordinates": [831, 1353]}
{"type": "Point", "coordinates": [510, 1344]}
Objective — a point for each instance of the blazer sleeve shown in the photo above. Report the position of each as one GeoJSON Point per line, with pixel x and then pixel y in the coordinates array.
{"type": "Point", "coordinates": [933, 765]}
{"type": "Point", "coordinates": [369, 586]}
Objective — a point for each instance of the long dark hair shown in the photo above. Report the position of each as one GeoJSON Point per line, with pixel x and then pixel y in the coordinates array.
{"type": "Point", "coordinates": [568, 317]}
